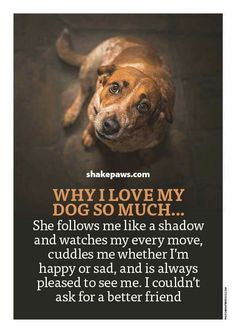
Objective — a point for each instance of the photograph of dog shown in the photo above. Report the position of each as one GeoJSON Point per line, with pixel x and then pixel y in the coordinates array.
{"type": "Point", "coordinates": [134, 93]}
{"type": "Point", "coordinates": [131, 96]}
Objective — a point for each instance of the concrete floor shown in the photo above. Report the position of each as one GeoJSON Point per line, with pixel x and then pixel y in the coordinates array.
{"type": "Point", "coordinates": [47, 156]}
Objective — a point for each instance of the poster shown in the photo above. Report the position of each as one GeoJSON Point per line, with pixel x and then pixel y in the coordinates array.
{"type": "Point", "coordinates": [103, 234]}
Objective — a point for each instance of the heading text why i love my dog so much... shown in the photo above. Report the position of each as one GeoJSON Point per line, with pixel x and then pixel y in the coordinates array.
{"type": "Point", "coordinates": [123, 202]}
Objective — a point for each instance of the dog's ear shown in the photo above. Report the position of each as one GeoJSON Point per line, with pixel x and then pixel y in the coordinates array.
{"type": "Point", "coordinates": [164, 108]}
{"type": "Point", "coordinates": [166, 111]}
{"type": "Point", "coordinates": [154, 116]}
{"type": "Point", "coordinates": [166, 105]}
{"type": "Point", "coordinates": [106, 70]}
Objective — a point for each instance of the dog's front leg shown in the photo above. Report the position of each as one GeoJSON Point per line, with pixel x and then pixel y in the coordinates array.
{"type": "Point", "coordinates": [88, 137]}
{"type": "Point", "coordinates": [73, 112]}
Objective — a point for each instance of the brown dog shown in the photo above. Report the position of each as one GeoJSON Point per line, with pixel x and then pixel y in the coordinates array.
{"type": "Point", "coordinates": [134, 93]}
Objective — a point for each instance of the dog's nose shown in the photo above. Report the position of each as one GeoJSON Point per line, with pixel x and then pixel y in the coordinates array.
{"type": "Point", "coordinates": [110, 126]}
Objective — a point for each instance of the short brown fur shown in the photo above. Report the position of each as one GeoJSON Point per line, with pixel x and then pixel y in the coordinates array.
{"type": "Point", "coordinates": [117, 119]}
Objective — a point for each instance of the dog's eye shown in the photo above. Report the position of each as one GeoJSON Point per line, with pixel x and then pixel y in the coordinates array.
{"type": "Point", "coordinates": [114, 88]}
{"type": "Point", "coordinates": [143, 107]}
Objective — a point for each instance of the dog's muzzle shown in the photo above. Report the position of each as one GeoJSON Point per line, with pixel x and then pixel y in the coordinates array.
{"type": "Point", "coordinates": [109, 128]}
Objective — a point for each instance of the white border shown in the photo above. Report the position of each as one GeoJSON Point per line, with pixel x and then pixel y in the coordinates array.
{"type": "Point", "coordinates": [6, 166]}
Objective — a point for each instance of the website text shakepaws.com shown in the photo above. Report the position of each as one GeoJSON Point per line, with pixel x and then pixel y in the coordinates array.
{"type": "Point", "coordinates": [111, 175]}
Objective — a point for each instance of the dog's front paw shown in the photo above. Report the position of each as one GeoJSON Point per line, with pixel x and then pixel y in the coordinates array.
{"type": "Point", "coordinates": [68, 119]}
{"type": "Point", "coordinates": [88, 140]}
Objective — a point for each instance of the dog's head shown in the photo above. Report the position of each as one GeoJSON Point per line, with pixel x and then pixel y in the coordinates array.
{"type": "Point", "coordinates": [128, 100]}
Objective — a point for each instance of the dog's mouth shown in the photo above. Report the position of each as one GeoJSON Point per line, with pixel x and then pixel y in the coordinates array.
{"type": "Point", "coordinates": [103, 136]}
